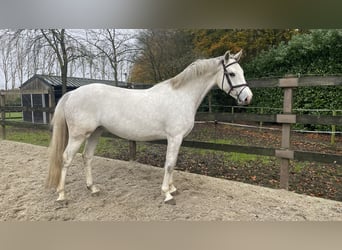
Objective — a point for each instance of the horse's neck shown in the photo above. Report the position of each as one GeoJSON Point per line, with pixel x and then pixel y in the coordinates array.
{"type": "Point", "coordinates": [197, 89]}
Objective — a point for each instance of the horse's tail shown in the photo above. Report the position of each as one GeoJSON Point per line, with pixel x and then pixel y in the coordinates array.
{"type": "Point", "coordinates": [58, 144]}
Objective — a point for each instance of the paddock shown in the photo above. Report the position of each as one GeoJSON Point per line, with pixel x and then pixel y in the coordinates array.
{"type": "Point", "coordinates": [130, 191]}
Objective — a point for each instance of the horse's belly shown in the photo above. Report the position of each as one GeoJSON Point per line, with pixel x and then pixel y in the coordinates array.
{"type": "Point", "coordinates": [135, 132]}
{"type": "Point", "coordinates": [137, 135]}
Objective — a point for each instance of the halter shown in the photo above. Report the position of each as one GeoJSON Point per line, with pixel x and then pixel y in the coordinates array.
{"type": "Point", "coordinates": [226, 74]}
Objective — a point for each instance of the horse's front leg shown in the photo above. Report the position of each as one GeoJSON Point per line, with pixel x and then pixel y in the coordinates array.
{"type": "Point", "coordinates": [168, 188]}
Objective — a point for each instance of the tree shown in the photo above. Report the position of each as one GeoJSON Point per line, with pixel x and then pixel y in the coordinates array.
{"type": "Point", "coordinates": [212, 42]}
{"type": "Point", "coordinates": [56, 39]}
{"type": "Point", "coordinates": [318, 52]}
{"type": "Point", "coordinates": [66, 49]}
{"type": "Point", "coordinates": [163, 54]}
{"type": "Point", "coordinates": [5, 54]}
{"type": "Point", "coordinates": [113, 47]}
{"type": "Point", "coordinates": [19, 54]}
{"type": "Point", "coordinates": [66, 53]}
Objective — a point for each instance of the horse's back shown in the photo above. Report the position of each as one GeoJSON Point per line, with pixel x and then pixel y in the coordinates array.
{"type": "Point", "coordinates": [131, 114]}
{"type": "Point", "coordinates": [97, 95]}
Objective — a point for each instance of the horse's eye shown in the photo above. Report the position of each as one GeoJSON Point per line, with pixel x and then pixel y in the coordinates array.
{"type": "Point", "coordinates": [231, 74]}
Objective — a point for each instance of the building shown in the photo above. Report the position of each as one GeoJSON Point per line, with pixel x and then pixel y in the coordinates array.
{"type": "Point", "coordinates": [45, 91]}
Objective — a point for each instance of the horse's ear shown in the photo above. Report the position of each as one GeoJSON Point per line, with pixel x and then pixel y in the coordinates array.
{"type": "Point", "coordinates": [237, 56]}
{"type": "Point", "coordinates": [226, 56]}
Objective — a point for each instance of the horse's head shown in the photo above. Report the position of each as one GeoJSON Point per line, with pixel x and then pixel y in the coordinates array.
{"type": "Point", "coordinates": [233, 80]}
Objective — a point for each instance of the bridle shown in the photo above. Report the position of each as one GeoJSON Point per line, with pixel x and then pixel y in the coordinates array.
{"type": "Point", "coordinates": [232, 87]}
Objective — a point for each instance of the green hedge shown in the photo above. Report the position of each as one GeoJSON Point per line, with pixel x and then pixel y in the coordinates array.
{"type": "Point", "coordinates": [316, 53]}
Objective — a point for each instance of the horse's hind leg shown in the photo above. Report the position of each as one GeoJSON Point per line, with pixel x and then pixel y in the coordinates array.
{"type": "Point", "coordinates": [88, 154]}
{"type": "Point", "coordinates": [71, 149]}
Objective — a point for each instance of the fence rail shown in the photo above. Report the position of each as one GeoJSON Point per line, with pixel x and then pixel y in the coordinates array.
{"type": "Point", "coordinates": [288, 154]}
{"type": "Point", "coordinates": [23, 109]}
{"type": "Point", "coordinates": [221, 117]}
{"type": "Point", "coordinates": [285, 118]}
{"type": "Point", "coordinates": [249, 117]}
{"type": "Point", "coordinates": [301, 81]}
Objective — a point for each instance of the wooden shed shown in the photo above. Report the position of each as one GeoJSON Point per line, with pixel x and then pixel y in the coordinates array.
{"type": "Point", "coordinates": [45, 91]}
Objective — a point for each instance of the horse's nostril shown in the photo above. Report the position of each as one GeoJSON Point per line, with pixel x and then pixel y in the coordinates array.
{"type": "Point", "coordinates": [248, 100]}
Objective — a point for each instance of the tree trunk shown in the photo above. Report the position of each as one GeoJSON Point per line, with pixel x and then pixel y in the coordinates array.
{"type": "Point", "coordinates": [64, 62]}
{"type": "Point", "coordinates": [64, 74]}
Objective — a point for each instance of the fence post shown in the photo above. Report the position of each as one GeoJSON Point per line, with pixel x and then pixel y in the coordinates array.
{"type": "Point", "coordinates": [232, 114]}
{"type": "Point", "coordinates": [287, 118]}
{"type": "Point", "coordinates": [3, 115]}
{"type": "Point", "coordinates": [132, 150]}
{"type": "Point", "coordinates": [210, 102]}
{"type": "Point", "coordinates": [333, 130]}
{"type": "Point", "coordinates": [261, 123]}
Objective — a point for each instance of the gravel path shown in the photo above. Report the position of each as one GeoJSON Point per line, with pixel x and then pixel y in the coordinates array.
{"type": "Point", "coordinates": [130, 191]}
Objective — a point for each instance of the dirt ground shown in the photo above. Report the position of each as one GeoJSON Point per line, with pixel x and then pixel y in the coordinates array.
{"type": "Point", "coordinates": [130, 191]}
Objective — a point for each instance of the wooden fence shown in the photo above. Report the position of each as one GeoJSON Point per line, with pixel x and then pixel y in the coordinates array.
{"type": "Point", "coordinates": [286, 118]}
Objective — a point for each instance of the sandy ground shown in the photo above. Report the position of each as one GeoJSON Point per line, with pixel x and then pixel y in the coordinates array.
{"type": "Point", "coordinates": [130, 191]}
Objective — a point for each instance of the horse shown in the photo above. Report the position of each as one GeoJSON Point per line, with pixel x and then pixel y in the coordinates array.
{"type": "Point", "coordinates": [165, 111]}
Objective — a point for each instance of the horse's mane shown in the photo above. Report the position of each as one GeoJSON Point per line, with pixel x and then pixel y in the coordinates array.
{"type": "Point", "coordinates": [195, 69]}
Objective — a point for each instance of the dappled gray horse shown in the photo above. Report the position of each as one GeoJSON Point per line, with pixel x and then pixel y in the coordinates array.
{"type": "Point", "coordinates": [165, 111]}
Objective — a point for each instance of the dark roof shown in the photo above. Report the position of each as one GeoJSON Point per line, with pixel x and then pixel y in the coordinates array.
{"type": "Point", "coordinates": [74, 82]}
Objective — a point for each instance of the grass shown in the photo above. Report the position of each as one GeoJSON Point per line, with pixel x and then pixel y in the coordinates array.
{"type": "Point", "coordinates": [32, 136]}
{"type": "Point", "coordinates": [111, 148]}
{"type": "Point", "coordinates": [107, 147]}
{"type": "Point", "coordinates": [298, 167]}
{"type": "Point", "coordinates": [114, 147]}
{"type": "Point", "coordinates": [240, 158]}
{"type": "Point", "coordinates": [14, 115]}
{"type": "Point", "coordinates": [236, 158]}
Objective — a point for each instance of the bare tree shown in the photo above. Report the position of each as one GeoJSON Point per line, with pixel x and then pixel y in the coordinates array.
{"type": "Point", "coordinates": [23, 53]}
{"type": "Point", "coordinates": [102, 54]}
{"type": "Point", "coordinates": [113, 46]}
{"type": "Point", "coordinates": [5, 54]}
{"type": "Point", "coordinates": [56, 39]}
{"type": "Point", "coordinates": [18, 43]}
{"type": "Point", "coordinates": [66, 48]}
{"type": "Point", "coordinates": [21, 43]}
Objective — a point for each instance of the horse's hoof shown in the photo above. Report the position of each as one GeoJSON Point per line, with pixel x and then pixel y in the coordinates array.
{"type": "Point", "coordinates": [173, 190]}
{"type": "Point", "coordinates": [95, 193]}
{"type": "Point", "coordinates": [170, 202]}
{"type": "Point", "coordinates": [62, 203]}
{"type": "Point", "coordinates": [176, 192]}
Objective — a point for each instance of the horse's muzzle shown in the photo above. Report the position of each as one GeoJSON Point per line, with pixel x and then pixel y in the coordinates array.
{"type": "Point", "coordinates": [245, 97]}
